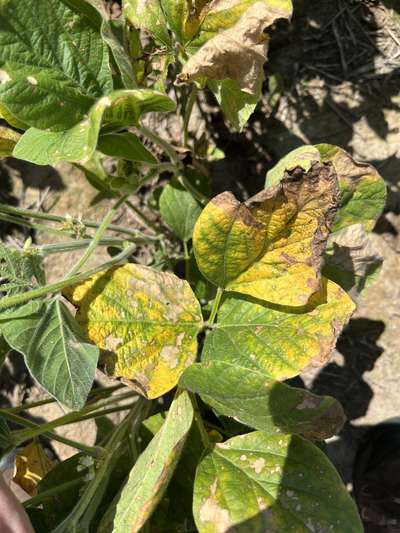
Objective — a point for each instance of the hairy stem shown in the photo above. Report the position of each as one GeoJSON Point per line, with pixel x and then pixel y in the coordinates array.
{"type": "Point", "coordinates": [97, 237]}
{"type": "Point", "coordinates": [142, 217]}
{"type": "Point", "coordinates": [165, 145]}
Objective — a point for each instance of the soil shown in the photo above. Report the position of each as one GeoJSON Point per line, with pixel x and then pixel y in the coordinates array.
{"type": "Point", "coordinates": [333, 77]}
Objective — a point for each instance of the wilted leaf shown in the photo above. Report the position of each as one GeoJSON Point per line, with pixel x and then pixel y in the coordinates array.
{"type": "Point", "coordinates": [146, 320]}
{"type": "Point", "coordinates": [120, 108]}
{"type": "Point", "coordinates": [363, 191]}
{"type": "Point", "coordinates": [251, 397]}
{"type": "Point", "coordinates": [179, 210]}
{"type": "Point", "coordinates": [274, 483]}
{"type": "Point", "coordinates": [237, 53]}
{"type": "Point", "coordinates": [271, 246]}
{"type": "Point", "coordinates": [351, 259]}
{"type": "Point", "coordinates": [53, 63]}
{"type": "Point", "coordinates": [152, 472]}
{"type": "Point", "coordinates": [125, 145]}
{"type": "Point", "coordinates": [55, 350]}
{"type": "Point", "coordinates": [277, 341]}
{"type": "Point", "coordinates": [8, 139]}
{"type": "Point", "coordinates": [31, 465]}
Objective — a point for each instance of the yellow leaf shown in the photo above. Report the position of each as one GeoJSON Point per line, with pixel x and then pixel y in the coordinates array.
{"type": "Point", "coordinates": [271, 246]}
{"type": "Point", "coordinates": [31, 465]}
{"type": "Point", "coordinates": [8, 139]}
{"type": "Point", "coordinates": [146, 322]}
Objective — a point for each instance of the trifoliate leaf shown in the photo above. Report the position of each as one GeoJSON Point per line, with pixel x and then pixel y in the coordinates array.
{"type": "Point", "coordinates": [148, 15]}
{"type": "Point", "coordinates": [277, 341]}
{"type": "Point", "coordinates": [31, 466]}
{"type": "Point", "coordinates": [53, 63]}
{"type": "Point", "coordinates": [251, 397]}
{"type": "Point", "coordinates": [147, 321]}
{"type": "Point", "coordinates": [56, 352]}
{"type": "Point", "coordinates": [271, 246]}
{"type": "Point", "coordinates": [125, 145]}
{"type": "Point", "coordinates": [363, 191]}
{"type": "Point", "coordinates": [274, 483]}
{"type": "Point", "coordinates": [150, 476]}
{"type": "Point", "coordinates": [120, 108]}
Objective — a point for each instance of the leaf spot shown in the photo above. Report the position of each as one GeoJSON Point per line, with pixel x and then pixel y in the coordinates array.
{"type": "Point", "coordinates": [4, 76]}
{"type": "Point", "coordinates": [170, 355]}
{"type": "Point", "coordinates": [32, 80]}
{"type": "Point", "coordinates": [258, 465]}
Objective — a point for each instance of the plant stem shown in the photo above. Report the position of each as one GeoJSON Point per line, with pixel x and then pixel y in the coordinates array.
{"type": "Point", "coordinates": [215, 306]}
{"type": "Point", "coordinates": [142, 217]}
{"type": "Point", "coordinates": [58, 218]}
{"type": "Point", "coordinates": [32, 225]}
{"type": "Point", "coordinates": [165, 145]}
{"type": "Point", "coordinates": [188, 113]}
{"type": "Point", "coordinates": [199, 421]}
{"type": "Point", "coordinates": [97, 237]}
{"type": "Point", "coordinates": [48, 249]}
{"type": "Point", "coordinates": [187, 259]}
{"type": "Point", "coordinates": [20, 436]}
{"type": "Point", "coordinates": [45, 495]}
{"type": "Point", "coordinates": [18, 299]}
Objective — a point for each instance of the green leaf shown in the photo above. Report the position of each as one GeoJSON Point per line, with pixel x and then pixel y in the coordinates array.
{"type": "Point", "coordinates": [118, 109]}
{"type": "Point", "coordinates": [362, 189]}
{"type": "Point", "coordinates": [274, 483]}
{"type": "Point", "coordinates": [179, 210]}
{"type": "Point", "coordinates": [19, 270]}
{"type": "Point", "coordinates": [148, 15]}
{"type": "Point", "coordinates": [303, 157]}
{"type": "Point", "coordinates": [146, 485]}
{"type": "Point", "coordinates": [271, 246]}
{"type": "Point", "coordinates": [55, 350]}
{"type": "Point", "coordinates": [53, 63]}
{"type": "Point", "coordinates": [125, 145]}
{"type": "Point", "coordinates": [277, 341]}
{"type": "Point", "coordinates": [8, 139]}
{"type": "Point", "coordinates": [236, 105]}
{"type": "Point", "coordinates": [251, 397]}
{"type": "Point", "coordinates": [147, 321]}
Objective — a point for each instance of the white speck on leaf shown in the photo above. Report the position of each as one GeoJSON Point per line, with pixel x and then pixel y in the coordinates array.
{"type": "Point", "coordinates": [32, 80]}
{"type": "Point", "coordinates": [258, 465]}
{"type": "Point", "coordinates": [170, 355]}
{"type": "Point", "coordinates": [4, 76]}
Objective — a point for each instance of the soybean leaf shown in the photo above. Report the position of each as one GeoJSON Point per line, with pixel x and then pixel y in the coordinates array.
{"type": "Point", "coordinates": [271, 246]}
{"type": "Point", "coordinates": [351, 259]}
{"type": "Point", "coordinates": [179, 210]}
{"type": "Point", "coordinates": [31, 466]}
{"type": "Point", "coordinates": [147, 321]}
{"type": "Point", "coordinates": [55, 349]}
{"type": "Point", "coordinates": [146, 486]}
{"type": "Point", "coordinates": [118, 109]}
{"type": "Point", "coordinates": [53, 61]}
{"type": "Point", "coordinates": [303, 157]}
{"type": "Point", "coordinates": [251, 397]}
{"type": "Point", "coordinates": [19, 270]}
{"type": "Point", "coordinates": [277, 341]}
{"type": "Point", "coordinates": [148, 15]}
{"type": "Point", "coordinates": [125, 145]}
{"type": "Point", "coordinates": [8, 139]}
{"type": "Point", "coordinates": [261, 482]}
{"type": "Point", "coordinates": [363, 191]}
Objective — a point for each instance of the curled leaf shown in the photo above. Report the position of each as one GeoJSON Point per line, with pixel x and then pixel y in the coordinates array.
{"type": "Point", "coordinates": [8, 139]}
{"type": "Point", "coordinates": [271, 246]}
{"type": "Point", "coordinates": [145, 321]}
{"type": "Point", "coordinates": [237, 53]}
{"type": "Point", "coordinates": [351, 260]}
{"type": "Point", "coordinates": [31, 466]}
{"type": "Point", "coordinates": [363, 191]}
